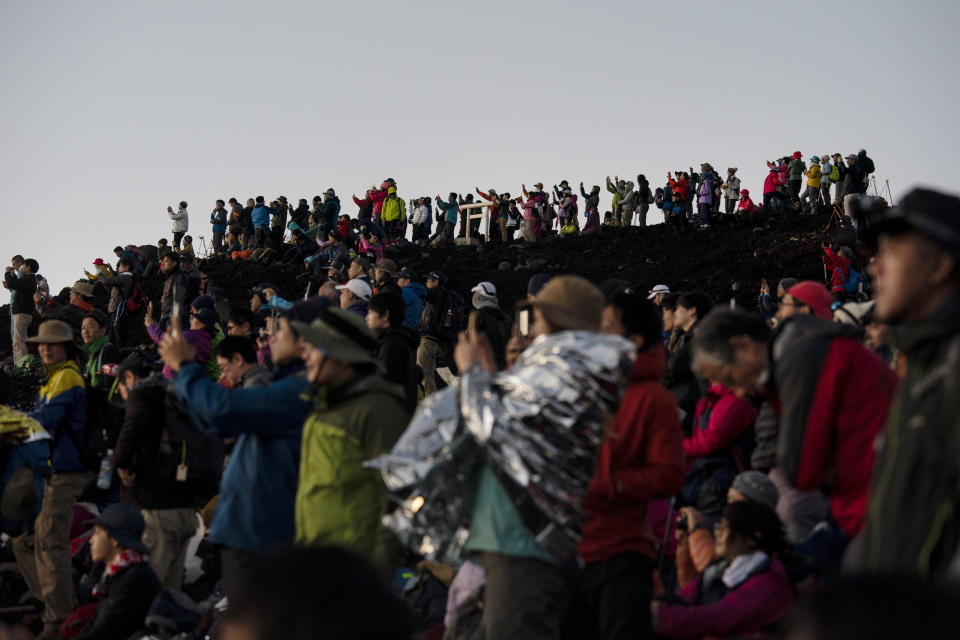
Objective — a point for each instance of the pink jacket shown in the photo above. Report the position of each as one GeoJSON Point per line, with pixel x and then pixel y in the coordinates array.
{"type": "Point", "coordinates": [726, 415]}
{"type": "Point", "coordinates": [753, 605]}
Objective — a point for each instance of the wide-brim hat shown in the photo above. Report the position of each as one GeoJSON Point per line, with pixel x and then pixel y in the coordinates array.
{"type": "Point", "coordinates": [387, 265]}
{"type": "Point", "coordinates": [341, 335]}
{"type": "Point", "coordinates": [571, 303]}
{"type": "Point", "coordinates": [52, 332]}
{"type": "Point", "coordinates": [83, 288]}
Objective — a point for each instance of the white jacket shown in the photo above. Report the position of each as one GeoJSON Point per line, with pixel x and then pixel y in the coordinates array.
{"type": "Point", "coordinates": [180, 220]}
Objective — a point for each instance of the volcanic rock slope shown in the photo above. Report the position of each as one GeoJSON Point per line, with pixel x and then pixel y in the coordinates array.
{"type": "Point", "coordinates": [726, 261]}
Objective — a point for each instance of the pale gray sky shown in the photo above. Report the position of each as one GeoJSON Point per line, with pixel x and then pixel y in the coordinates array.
{"type": "Point", "coordinates": [111, 111]}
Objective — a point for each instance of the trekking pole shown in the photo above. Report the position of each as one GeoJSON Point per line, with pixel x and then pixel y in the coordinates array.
{"type": "Point", "coordinates": [666, 535]}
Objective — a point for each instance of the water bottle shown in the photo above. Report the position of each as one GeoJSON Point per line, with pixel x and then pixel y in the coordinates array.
{"type": "Point", "coordinates": [106, 471]}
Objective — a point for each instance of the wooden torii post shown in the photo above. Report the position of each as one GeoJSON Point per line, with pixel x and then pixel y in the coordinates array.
{"type": "Point", "coordinates": [475, 216]}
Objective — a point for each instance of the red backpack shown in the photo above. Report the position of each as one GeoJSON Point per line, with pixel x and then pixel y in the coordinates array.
{"type": "Point", "coordinates": [137, 299]}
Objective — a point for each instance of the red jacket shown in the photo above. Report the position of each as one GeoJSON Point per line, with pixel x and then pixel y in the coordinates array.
{"type": "Point", "coordinates": [679, 187]}
{"type": "Point", "coordinates": [727, 417]}
{"type": "Point", "coordinates": [834, 396]}
{"type": "Point", "coordinates": [840, 267]}
{"type": "Point", "coordinates": [755, 604]}
{"type": "Point", "coordinates": [641, 459]}
{"type": "Point", "coordinates": [343, 226]}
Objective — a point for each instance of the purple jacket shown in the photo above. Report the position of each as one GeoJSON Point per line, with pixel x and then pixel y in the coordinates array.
{"type": "Point", "coordinates": [753, 605]}
{"type": "Point", "coordinates": [199, 340]}
{"type": "Point", "coordinates": [706, 192]}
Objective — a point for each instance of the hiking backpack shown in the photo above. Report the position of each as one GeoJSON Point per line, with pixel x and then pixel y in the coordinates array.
{"type": "Point", "coordinates": [453, 320]}
{"type": "Point", "coordinates": [851, 283]}
{"type": "Point", "coordinates": [189, 461]}
{"type": "Point", "coordinates": [834, 173]}
{"type": "Point", "coordinates": [137, 299]}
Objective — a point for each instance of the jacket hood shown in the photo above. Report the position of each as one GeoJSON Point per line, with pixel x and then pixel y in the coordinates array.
{"type": "Point", "coordinates": [417, 288]}
{"type": "Point", "coordinates": [649, 365]}
{"type": "Point", "coordinates": [629, 186]}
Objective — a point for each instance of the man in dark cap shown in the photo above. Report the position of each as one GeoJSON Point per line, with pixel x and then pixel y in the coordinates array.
{"type": "Point", "coordinates": [913, 521]}
{"type": "Point", "coordinates": [128, 585]}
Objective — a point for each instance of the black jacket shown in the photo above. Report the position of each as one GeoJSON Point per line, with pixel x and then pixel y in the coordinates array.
{"type": "Point", "coordinates": [176, 288]}
{"type": "Point", "coordinates": [138, 446]}
{"type": "Point", "coordinates": [25, 286]}
{"type": "Point", "coordinates": [682, 382]}
{"type": "Point", "coordinates": [397, 353]}
{"type": "Point", "coordinates": [127, 599]}
{"type": "Point", "coordinates": [246, 220]}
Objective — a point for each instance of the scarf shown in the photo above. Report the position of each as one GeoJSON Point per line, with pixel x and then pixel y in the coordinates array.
{"type": "Point", "coordinates": [743, 567]}
{"type": "Point", "coordinates": [93, 365]}
{"type": "Point", "coordinates": [124, 559]}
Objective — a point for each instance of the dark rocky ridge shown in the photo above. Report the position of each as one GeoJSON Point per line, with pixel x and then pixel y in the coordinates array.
{"type": "Point", "coordinates": [726, 261]}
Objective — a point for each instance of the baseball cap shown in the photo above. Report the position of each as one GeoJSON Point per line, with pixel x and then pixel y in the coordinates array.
{"type": "Point", "coordinates": [409, 274]}
{"type": "Point", "coordinates": [436, 275]}
{"type": "Point", "coordinates": [660, 288]}
{"type": "Point", "coordinates": [358, 288]}
{"type": "Point", "coordinates": [486, 289]}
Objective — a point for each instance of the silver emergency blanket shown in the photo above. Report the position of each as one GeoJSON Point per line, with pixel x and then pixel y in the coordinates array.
{"type": "Point", "coordinates": [539, 427]}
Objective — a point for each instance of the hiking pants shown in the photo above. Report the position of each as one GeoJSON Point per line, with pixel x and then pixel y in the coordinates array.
{"type": "Point", "coordinates": [642, 214]}
{"type": "Point", "coordinates": [21, 322]}
{"type": "Point", "coordinates": [730, 205]}
{"type": "Point", "coordinates": [811, 197]}
{"type": "Point", "coordinates": [427, 354]}
{"type": "Point", "coordinates": [166, 535]}
{"type": "Point", "coordinates": [825, 192]}
{"type": "Point", "coordinates": [703, 210]}
{"type": "Point", "coordinates": [626, 216]}
{"type": "Point", "coordinates": [177, 237]}
{"type": "Point", "coordinates": [218, 242]}
{"type": "Point", "coordinates": [524, 598]}
{"type": "Point", "coordinates": [261, 235]}
{"type": "Point", "coordinates": [44, 555]}
{"type": "Point", "coordinates": [795, 190]}
{"type": "Point", "coordinates": [617, 591]}
{"type": "Point", "coordinates": [527, 231]}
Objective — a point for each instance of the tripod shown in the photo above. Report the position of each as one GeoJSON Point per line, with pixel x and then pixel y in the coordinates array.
{"type": "Point", "coordinates": [836, 217]}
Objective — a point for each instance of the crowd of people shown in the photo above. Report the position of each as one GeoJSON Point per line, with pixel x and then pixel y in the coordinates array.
{"type": "Point", "coordinates": [600, 460]}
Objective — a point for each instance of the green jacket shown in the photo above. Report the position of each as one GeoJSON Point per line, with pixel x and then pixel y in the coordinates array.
{"type": "Point", "coordinates": [339, 502]}
{"type": "Point", "coordinates": [913, 517]}
{"type": "Point", "coordinates": [796, 168]}
{"type": "Point", "coordinates": [211, 366]}
{"type": "Point", "coordinates": [615, 205]}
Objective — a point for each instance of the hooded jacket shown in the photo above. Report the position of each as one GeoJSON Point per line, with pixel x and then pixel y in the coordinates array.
{"type": "Point", "coordinates": [393, 207]}
{"type": "Point", "coordinates": [615, 203]}
{"type": "Point", "coordinates": [732, 190]}
{"type": "Point", "coordinates": [62, 410]}
{"type": "Point", "coordinates": [329, 212]}
{"type": "Point", "coordinates": [397, 353]}
{"type": "Point", "coordinates": [413, 296]}
{"type": "Point", "coordinates": [641, 460]}
{"type": "Point", "coordinates": [916, 478]}
{"type": "Point", "coordinates": [256, 507]}
{"type": "Point", "coordinates": [260, 216]}
{"type": "Point", "coordinates": [365, 207]}
{"type": "Point", "coordinates": [339, 501]}
{"type": "Point", "coordinates": [839, 271]}
{"type": "Point", "coordinates": [834, 396]}
{"type": "Point", "coordinates": [590, 200]}
{"type": "Point", "coordinates": [755, 604]}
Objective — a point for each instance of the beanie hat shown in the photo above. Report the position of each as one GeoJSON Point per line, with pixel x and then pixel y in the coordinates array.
{"type": "Point", "coordinates": [814, 295]}
{"type": "Point", "coordinates": [758, 487]}
{"type": "Point", "coordinates": [571, 303]}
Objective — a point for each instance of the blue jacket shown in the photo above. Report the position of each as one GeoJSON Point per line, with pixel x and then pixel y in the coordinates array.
{"type": "Point", "coordinates": [257, 492]}
{"type": "Point", "coordinates": [218, 220]}
{"type": "Point", "coordinates": [413, 295]}
{"type": "Point", "coordinates": [62, 410]}
{"type": "Point", "coordinates": [260, 216]}
{"type": "Point", "coordinates": [450, 211]}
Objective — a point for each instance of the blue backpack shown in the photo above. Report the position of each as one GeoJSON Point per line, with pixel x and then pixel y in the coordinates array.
{"type": "Point", "coordinates": [852, 282]}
